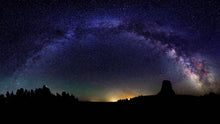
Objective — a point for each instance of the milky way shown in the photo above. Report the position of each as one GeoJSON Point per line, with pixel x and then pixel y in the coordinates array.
{"type": "Point", "coordinates": [122, 50]}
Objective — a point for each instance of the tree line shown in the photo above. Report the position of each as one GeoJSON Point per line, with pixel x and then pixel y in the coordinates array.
{"type": "Point", "coordinates": [38, 96]}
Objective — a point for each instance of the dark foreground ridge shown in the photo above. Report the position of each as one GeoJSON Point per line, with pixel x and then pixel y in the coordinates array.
{"type": "Point", "coordinates": [165, 104]}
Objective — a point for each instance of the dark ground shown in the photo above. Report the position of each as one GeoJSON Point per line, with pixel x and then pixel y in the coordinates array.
{"type": "Point", "coordinates": [165, 107]}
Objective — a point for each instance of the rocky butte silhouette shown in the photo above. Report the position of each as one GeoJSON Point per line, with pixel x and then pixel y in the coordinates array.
{"type": "Point", "coordinates": [166, 89]}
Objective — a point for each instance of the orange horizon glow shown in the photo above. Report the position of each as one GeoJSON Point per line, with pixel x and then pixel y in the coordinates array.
{"type": "Point", "coordinates": [113, 98]}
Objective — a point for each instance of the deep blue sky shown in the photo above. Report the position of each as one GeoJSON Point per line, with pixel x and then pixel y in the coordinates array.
{"type": "Point", "coordinates": [107, 50]}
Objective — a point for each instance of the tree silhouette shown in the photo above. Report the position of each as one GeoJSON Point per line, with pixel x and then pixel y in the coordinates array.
{"type": "Point", "coordinates": [37, 96]}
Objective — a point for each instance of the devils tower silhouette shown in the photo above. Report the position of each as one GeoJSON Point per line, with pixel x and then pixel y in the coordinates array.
{"type": "Point", "coordinates": [166, 89]}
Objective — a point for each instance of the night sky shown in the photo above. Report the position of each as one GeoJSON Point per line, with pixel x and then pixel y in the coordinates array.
{"type": "Point", "coordinates": [110, 49]}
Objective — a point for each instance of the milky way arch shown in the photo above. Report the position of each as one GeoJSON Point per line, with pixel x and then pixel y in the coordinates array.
{"type": "Point", "coordinates": [152, 35]}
